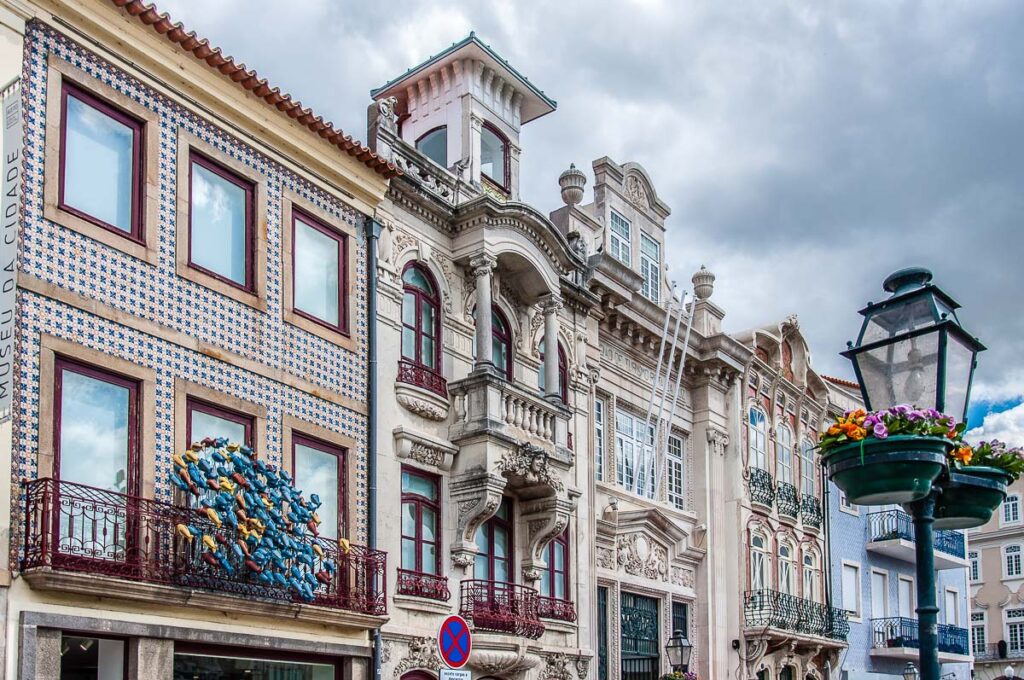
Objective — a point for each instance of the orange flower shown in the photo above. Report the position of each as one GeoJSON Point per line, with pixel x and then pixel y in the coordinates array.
{"type": "Point", "coordinates": [834, 431]}
{"type": "Point", "coordinates": [857, 433]}
{"type": "Point", "coordinates": [964, 454]}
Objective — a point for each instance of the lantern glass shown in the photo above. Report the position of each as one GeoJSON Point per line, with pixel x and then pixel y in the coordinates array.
{"type": "Point", "coordinates": [959, 367]}
{"type": "Point", "coordinates": [904, 371]}
{"type": "Point", "coordinates": [887, 321]}
{"type": "Point", "coordinates": [910, 672]}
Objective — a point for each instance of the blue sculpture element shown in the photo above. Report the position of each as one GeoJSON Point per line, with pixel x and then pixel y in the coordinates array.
{"type": "Point", "coordinates": [261, 519]}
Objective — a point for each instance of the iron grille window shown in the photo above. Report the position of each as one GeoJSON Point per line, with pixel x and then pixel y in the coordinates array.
{"type": "Point", "coordinates": [681, 618]}
{"type": "Point", "coordinates": [640, 641]}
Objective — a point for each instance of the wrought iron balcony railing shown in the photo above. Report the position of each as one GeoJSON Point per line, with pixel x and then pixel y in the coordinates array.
{"type": "Point", "coordinates": [771, 608]}
{"type": "Point", "coordinates": [901, 632]}
{"type": "Point", "coordinates": [787, 500]}
{"type": "Point", "coordinates": [762, 486]}
{"type": "Point", "coordinates": [891, 524]}
{"type": "Point", "coordinates": [421, 376]}
{"type": "Point", "coordinates": [555, 608]}
{"type": "Point", "coordinates": [501, 607]}
{"type": "Point", "coordinates": [810, 511]}
{"type": "Point", "coordinates": [997, 651]}
{"type": "Point", "coordinates": [77, 528]}
{"type": "Point", "coordinates": [418, 584]}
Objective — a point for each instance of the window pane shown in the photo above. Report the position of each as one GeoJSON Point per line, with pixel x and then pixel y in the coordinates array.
{"type": "Point", "coordinates": [85, 657]}
{"type": "Point", "coordinates": [427, 320]}
{"type": "Point", "coordinates": [434, 145]}
{"type": "Point", "coordinates": [501, 570]}
{"type": "Point", "coordinates": [414, 278]}
{"type": "Point", "coordinates": [408, 519]}
{"type": "Point", "coordinates": [409, 310]}
{"type": "Point", "coordinates": [429, 522]}
{"type": "Point", "coordinates": [545, 583]}
{"type": "Point", "coordinates": [317, 472]}
{"type": "Point", "coordinates": [421, 486]}
{"type": "Point", "coordinates": [98, 164]}
{"type": "Point", "coordinates": [94, 432]}
{"type": "Point", "coordinates": [316, 273]}
{"type": "Point", "coordinates": [427, 355]}
{"type": "Point", "coordinates": [408, 343]}
{"type": "Point", "coordinates": [408, 554]}
{"type": "Point", "coordinates": [429, 560]}
{"type": "Point", "coordinates": [560, 587]}
{"type": "Point", "coordinates": [219, 240]}
{"type": "Point", "coordinates": [500, 543]}
{"type": "Point", "coordinates": [559, 557]}
{"type": "Point", "coordinates": [207, 425]}
{"type": "Point", "coordinates": [492, 155]}
{"type": "Point", "coordinates": [499, 355]}
{"type": "Point", "coordinates": [189, 666]}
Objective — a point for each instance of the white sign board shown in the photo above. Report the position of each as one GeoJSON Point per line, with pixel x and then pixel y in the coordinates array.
{"type": "Point", "coordinates": [10, 213]}
{"type": "Point", "coordinates": [451, 674]}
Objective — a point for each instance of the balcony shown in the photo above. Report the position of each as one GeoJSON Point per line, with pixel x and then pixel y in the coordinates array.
{"type": "Point", "coordinates": [498, 607]}
{"type": "Point", "coordinates": [891, 533]}
{"type": "Point", "coordinates": [810, 511]}
{"type": "Point", "coordinates": [787, 500]}
{"type": "Point", "coordinates": [420, 376]}
{"type": "Point", "coordinates": [762, 487]}
{"type": "Point", "coordinates": [772, 609]}
{"type": "Point", "coordinates": [417, 584]}
{"type": "Point", "coordinates": [992, 652]}
{"type": "Point", "coordinates": [87, 541]}
{"type": "Point", "coordinates": [487, 404]}
{"type": "Point", "coordinates": [556, 609]}
{"type": "Point", "coordinates": [896, 638]}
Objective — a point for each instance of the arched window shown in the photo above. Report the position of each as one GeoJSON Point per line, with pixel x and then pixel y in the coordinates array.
{"type": "Point", "coordinates": [554, 580]}
{"type": "Point", "coordinates": [434, 145]}
{"type": "Point", "coordinates": [787, 565]}
{"type": "Point", "coordinates": [494, 155]}
{"type": "Point", "coordinates": [421, 343]}
{"type": "Point", "coordinates": [807, 467]}
{"type": "Point", "coordinates": [784, 454]}
{"type": "Point", "coordinates": [759, 562]}
{"type": "Point", "coordinates": [563, 373]}
{"type": "Point", "coordinates": [501, 343]}
{"type": "Point", "coordinates": [812, 577]}
{"type": "Point", "coordinates": [758, 439]}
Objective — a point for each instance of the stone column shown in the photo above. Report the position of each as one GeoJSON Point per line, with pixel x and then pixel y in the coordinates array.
{"type": "Point", "coordinates": [483, 266]}
{"type": "Point", "coordinates": [150, 658]}
{"type": "Point", "coordinates": [551, 304]}
{"type": "Point", "coordinates": [47, 654]}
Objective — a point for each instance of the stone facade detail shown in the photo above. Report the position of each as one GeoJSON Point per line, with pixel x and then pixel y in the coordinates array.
{"type": "Point", "coordinates": [421, 654]}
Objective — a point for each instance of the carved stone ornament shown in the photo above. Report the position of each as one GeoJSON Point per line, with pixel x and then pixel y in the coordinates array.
{"type": "Point", "coordinates": [605, 558]}
{"type": "Point", "coordinates": [422, 654]}
{"type": "Point", "coordinates": [556, 667]}
{"type": "Point", "coordinates": [429, 409]}
{"type": "Point", "coordinates": [503, 662]}
{"type": "Point", "coordinates": [683, 577]}
{"type": "Point", "coordinates": [640, 556]}
{"type": "Point", "coordinates": [636, 193]}
{"type": "Point", "coordinates": [385, 651]}
{"type": "Point", "coordinates": [582, 666]}
{"type": "Point", "coordinates": [388, 116]}
{"type": "Point", "coordinates": [529, 465]}
{"type": "Point", "coordinates": [717, 440]}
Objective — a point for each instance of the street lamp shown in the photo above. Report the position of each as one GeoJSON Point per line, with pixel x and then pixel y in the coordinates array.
{"type": "Point", "coordinates": [912, 348]}
{"type": "Point", "coordinates": [1009, 673]}
{"type": "Point", "coordinates": [678, 651]}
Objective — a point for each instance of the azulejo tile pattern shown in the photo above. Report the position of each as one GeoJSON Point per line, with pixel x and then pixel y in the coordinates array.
{"type": "Point", "coordinates": [77, 263]}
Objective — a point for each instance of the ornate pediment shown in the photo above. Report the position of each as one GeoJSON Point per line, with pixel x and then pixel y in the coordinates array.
{"type": "Point", "coordinates": [640, 555]}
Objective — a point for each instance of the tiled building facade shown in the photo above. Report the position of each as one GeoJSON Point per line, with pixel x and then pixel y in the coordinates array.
{"type": "Point", "coordinates": [141, 328]}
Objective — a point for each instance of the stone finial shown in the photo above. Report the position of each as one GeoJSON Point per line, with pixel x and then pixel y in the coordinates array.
{"type": "Point", "coordinates": [572, 182]}
{"type": "Point", "coordinates": [703, 283]}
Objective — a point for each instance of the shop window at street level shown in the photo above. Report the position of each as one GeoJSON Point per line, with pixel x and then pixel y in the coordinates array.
{"type": "Point", "coordinates": [90, 658]}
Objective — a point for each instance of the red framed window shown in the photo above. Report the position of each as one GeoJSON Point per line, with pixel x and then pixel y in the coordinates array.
{"type": "Point", "coordinates": [494, 156]}
{"type": "Point", "coordinates": [421, 342]}
{"type": "Point", "coordinates": [563, 373]}
{"type": "Point", "coordinates": [494, 546]}
{"type": "Point", "coordinates": [421, 522]}
{"type": "Point", "coordinates": [554, 580]}
{"type": "Point", "coordinates": [319, 468]}
{"type": "Point", "coordinates": [101, 163]}
{"type": "Point", "coordinates": [434, 145]}
{"type": "Point", "coordinates": [319, 272]}
{"type": "Point", "coordinates": [221, 230]}
{"type": "Point", "coordinates": [501, 343]}
{"type": "Point", "coordinates": [96, 428]}
{"type": "Point", "coordinates": [204, 419]}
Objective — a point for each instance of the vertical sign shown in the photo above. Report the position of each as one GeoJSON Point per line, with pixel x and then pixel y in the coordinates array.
{"type": "Point", "coordinates": [10, 213]}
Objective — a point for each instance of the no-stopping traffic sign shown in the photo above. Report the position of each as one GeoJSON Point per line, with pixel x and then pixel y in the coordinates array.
{"type": "Point", "coordinates": [454, 641]}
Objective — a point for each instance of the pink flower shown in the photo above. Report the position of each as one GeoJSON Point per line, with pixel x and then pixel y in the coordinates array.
{"type": "Point", "coordinates": [880, 431]}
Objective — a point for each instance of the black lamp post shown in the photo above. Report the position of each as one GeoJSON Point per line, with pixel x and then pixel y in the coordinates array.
{"type": "Point", "coordinates": [913, 350]}
{"type": "Point", "coordinates": [678, 651]}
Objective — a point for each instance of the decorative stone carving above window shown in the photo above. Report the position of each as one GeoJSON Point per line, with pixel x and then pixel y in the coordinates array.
{"type": "Point", "coordinates": [638, 555]}
{"type": "Point", "coordinates": [422, 654]}
{"type": "Point", "coordinates": [423, 449]}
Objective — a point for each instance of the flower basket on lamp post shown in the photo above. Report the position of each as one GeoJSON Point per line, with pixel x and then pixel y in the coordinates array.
{"type": "Point", "coordinates": [976, 485]}
{"type": "Point", "coordinates": [911, 465]}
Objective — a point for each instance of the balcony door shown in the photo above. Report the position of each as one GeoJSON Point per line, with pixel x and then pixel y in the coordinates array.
{"type": "Point", "coordinates": [906, 597]}
{"type": "Point", "coordinates": [640, 641]}
{"type": "Point", "coordinates": [95, 460]}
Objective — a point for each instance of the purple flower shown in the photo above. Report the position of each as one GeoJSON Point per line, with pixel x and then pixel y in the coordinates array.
{"type": "Point", "coordinates": [902, 409]}
{"type": "Point", "coordinates": [880, 431]}
{"type": "Point", "coordinates": [871, 420]}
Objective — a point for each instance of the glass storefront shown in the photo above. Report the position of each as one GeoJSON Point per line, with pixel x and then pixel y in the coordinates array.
{"type": "Point", "coordinates": [206, 667]}
{"type": "Point", "coordinates": [89, 658]}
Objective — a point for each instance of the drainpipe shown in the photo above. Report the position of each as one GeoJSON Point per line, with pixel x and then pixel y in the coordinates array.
{"type": "Point", "coordinates": [373, 230]}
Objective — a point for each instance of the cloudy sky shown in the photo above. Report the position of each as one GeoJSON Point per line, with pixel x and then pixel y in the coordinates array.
{"type": "Point", "coordinates": [807, 149]}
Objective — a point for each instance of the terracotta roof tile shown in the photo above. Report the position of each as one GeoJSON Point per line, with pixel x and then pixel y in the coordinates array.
{"type": "Point", "coordinates": [249, 80]}
{"type": "Point", "coordinates": [841, 382]}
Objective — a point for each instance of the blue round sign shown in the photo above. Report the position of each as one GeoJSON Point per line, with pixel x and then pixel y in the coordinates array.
{"type": "Point", "coordinates": [454, 641]}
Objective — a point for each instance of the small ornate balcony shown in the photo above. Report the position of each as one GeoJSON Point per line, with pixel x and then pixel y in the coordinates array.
{"type": "Point", "coordinates": [787, 500]}
{"type": "Point", "coordinates": [772, 609]}
{"type": "Point", "coordinates": [762, 487]}
{"type": "Point", "coordinates": [93, 542]}
{"type": "Point", "coordinates": [896, 638]}
{"type": "Point", "coordinates": [891, 533]}
{"type": "Point", "coordinates": [810, 511]}
{"type": "Point", "coordinates": [500, 607]}
{"type": "Point", "coordinates": [486, 403]}
{"type": "Point", "coordinates": [556, 609]}
{"type": "Point", "coordinates": [417, 584]}
{"type": "Point", "coordinates": [421, 376]}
